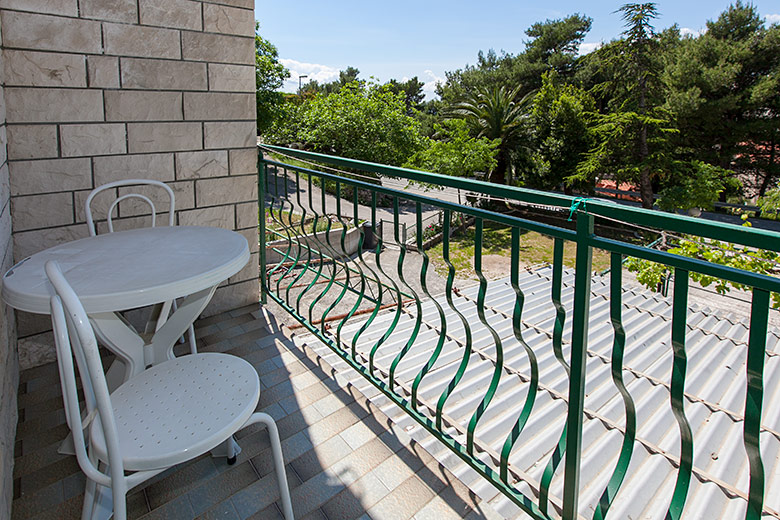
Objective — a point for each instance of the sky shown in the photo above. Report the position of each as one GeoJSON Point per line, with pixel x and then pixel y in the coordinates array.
{"type": "Point", "coordinates": [425, 38]}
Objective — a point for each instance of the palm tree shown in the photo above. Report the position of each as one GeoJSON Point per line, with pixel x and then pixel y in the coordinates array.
{"type": "Point", "coordinates": [494, 113]}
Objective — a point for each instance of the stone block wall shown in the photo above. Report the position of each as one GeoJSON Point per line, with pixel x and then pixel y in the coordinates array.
{"type": "Point", "coordinates": [98, 91]}
{"type": "Point", "coordinates": [9, 364]}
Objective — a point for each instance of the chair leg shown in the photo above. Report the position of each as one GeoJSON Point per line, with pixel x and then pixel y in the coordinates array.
{"type": "Point", "coordinates": [193, 346]}
{"type": "Point", "coordinates": [276, 450]}
{"type": "Point", "coordinates": [88, 509]}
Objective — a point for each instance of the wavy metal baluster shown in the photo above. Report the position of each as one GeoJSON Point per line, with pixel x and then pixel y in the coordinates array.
{"type": "Point", "coordinates": [557, 341]}
{"type": "Point", "coordinates": [443, 330]}
{"type": "Point", "coordinates": [380, 285]}
{"type": "Point", "coordinates": [399, 302]}
{"type": "Point", "coordinates": [533, 384]}
{"type": "Point", "coordinates": [279, 221]}
{"type": "Point", "coordinates": [759, 315]}
{"type": "Point", "coordinates": [467, 343]}
{"type": "Point", "coordinates": [342, 254]}
{"type": "Point", "coordinates": [491, 391]}
{"type": "Point", "coordinates": [300, 245]}
{"type": "Point", "coordinates": [322, 293]}
{"type": "Point", "coordinates": [289, 229]}
{"type": "Point", "coordinates": [679, 318]}
{"type": "Point", "coordinates": [361, 294]}
{"type": "Point", "coordinates": [307, 267]}
{"type": "Point", "coordinates": [320, 259]}
{"type": "Point", "coordinates": [418, 320]}
{"type": "Point", "coordinates": [618, 347]}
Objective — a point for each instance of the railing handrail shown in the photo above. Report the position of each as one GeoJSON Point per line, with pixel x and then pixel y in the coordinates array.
{"type": "Point", "coordinates": [752, 237]}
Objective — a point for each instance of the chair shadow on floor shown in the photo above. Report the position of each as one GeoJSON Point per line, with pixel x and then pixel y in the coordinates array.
{"type": "Point", "coordinates": [342, 458]}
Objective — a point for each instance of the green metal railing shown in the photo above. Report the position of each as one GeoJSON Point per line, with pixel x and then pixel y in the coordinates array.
{"type": "Point", "coordinates": [339, 290]}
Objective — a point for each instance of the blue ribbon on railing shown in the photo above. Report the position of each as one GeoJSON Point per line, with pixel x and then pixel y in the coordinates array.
{"type": "Point", "coordinates": [579, 202]}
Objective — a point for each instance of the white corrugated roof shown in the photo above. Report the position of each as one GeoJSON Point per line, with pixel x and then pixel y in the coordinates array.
{"type": "Point", "coordinates": [715, 385]}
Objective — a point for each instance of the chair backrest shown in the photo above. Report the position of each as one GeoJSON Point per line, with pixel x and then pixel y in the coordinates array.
{"type": "Point", "coordinates": [74, 337]}
{"type": "Point", "coordinates": [115, 204]}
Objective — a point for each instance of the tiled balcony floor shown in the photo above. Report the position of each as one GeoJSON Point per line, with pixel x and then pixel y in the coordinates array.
{"type": "Point", "coordinates": [344, 458]}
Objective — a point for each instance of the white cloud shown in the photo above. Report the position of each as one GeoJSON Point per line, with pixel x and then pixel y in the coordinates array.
{"type": "Point", "coordinates": [686, 31]}
{"type": "Point", "coordinates": [313, 71]}
{"type": "Point", "coordinates": [772, 18]}
{"type": "Point", "coordinates": [430, 86]}
{"type": "Point", "coordinates": [587, 48]}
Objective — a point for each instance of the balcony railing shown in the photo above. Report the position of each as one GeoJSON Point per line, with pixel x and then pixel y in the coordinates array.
{"type": "Point", "coordinates": [340, 293]}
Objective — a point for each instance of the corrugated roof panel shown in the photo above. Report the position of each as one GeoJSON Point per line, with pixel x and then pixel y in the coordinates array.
{"type": "Point", "coordinates": [716, 350]}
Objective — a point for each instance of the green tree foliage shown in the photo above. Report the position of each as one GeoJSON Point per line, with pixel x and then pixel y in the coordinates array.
{"type": "Point", "coordinates": [412, 91]}
{"type": "Point", "coordinates": [360, 121]}
{"type": "Point", "coordinates": [455, 152]}
{"type": "Point", "coordinates": [346, 76]}
{"type": "Point", "coordinates": [698, 186]}
{"type": "Point", "coordinates": [553, 46]}
{"type": "Point", "coordinates": [630, 68]}
{"type": "Point", "coordinates": [495, 114]}
{"type": "Point", "coordinates": [269, 78]}
{"type": "Point", "coordinates": [652, 274]}
{"type": "Point", "coordinates": [724, 92]}
{"type": "Point", "coordinates": [561, 133]}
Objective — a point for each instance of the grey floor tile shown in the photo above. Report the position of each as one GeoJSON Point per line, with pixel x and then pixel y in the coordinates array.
{"type": "Point", "coordinates": [222, 511]}
{"type": "Point", "coordinates": [177, 509]}
{"type": "Point", "coordinates": [342, 458]}
{"type": "Point", "coordinates": [214, 490]}
{"type": "Point", "coordinates": [33, 504]}
{"type": "Point", "coordinates": [256, 497]}
{"type": "Point", "coordinates": [181, 481]}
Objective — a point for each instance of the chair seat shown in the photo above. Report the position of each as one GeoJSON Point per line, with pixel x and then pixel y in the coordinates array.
{"type": "Point", "coordinates": [180, 409]}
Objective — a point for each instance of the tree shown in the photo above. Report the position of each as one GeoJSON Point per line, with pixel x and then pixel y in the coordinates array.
{"type": "Point", "coordinates": [496, 114]}
{"type": "Point", "coordinates": [360, 121]}
{"type": "Point", "coordinates": [553, 45]}
{"type": "Point", "coordinates": [642, 69]}
{"type": "Point", "coordinates": [454, 152]}
{"type": "Point", "coordinates": [556, 42]}
{"type": "Point", "coordinates": [269, 78]}
{"type": "Point", "coordinates": [346, 76]}
{"type": "Point", "coordinates": [633, 135]}
{"type": "Point", "coordinates": [724, 92]}
{"type": "Point", "coordinates": [560, 123]}
{"type": "Point", "coordinates": [412, 90]}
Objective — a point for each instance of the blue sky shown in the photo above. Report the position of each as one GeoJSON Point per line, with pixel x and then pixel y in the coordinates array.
{"type": "Point", "coordinates": [402, 39]}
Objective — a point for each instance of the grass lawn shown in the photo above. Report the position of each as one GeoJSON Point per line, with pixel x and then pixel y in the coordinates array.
{"type": "Point", "coordinates": [275, 230]}
{"type": "Point", "coordinates": [497, 240]}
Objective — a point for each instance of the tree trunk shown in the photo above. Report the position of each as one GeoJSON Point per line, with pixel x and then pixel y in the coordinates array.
{"type": "Point", "coordinates": [498, 175]}
{"type": "Point", "coordinates": [770, 167]}
{"type": "Point", "coordinates": [645, 184]}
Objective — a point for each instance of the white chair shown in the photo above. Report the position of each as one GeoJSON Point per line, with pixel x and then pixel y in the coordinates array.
{"type": "Point", "coordinates": [143, 198]}
{"type": "Point", "coordinates": [155, 420]}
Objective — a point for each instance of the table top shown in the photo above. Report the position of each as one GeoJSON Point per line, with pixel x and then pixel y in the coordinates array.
{"type": "Point", "coordinates": [129, 269]}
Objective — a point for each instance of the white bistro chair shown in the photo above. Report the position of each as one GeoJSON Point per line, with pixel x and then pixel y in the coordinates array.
{"type": "Point", "coordinates": [169, 414]}
{"type": "Point", "coordinates": [143, 198]}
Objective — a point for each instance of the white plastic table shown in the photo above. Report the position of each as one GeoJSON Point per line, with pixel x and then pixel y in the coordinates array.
{"type": "Point", "coordinates": [130, 269]}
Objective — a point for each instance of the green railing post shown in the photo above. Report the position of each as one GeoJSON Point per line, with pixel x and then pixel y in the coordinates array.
{"type": "Point", "coordinates": [262, 179]}
{"type": "Point", "coordinates": [579, 345]}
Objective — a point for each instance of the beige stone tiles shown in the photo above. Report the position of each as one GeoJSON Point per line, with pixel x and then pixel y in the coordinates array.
{"type": "Point", "coordinates": [343, 459]}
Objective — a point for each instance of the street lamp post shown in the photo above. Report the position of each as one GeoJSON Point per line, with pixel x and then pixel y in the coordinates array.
{"type": "Point", "coordinates": [300, 84]}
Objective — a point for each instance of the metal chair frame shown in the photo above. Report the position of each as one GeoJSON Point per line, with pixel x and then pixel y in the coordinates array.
{"type": "Point", "coordinates": [171, 222]}
{"type": "Point", "coordinates": [74, 338]}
